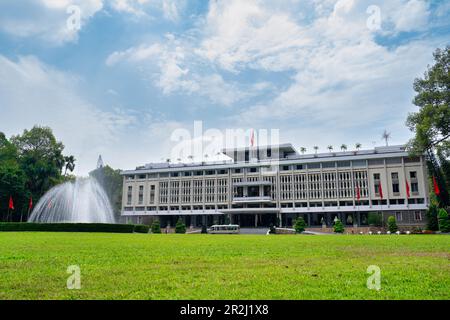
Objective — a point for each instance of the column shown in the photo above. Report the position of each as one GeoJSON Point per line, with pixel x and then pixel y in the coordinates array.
{"type": "Point", "coordinates": [309, 219]}
{"type": "Point", "coordinates": [256, 220]}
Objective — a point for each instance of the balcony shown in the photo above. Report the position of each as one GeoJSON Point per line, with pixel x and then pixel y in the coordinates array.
{"type": "Point", "coordinates": [252, 199]}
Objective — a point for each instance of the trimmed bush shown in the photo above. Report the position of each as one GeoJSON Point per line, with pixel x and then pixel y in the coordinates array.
{"type": "Point", "coordinates": [338, 226]}
{"type": "Point", "coordinates": [272, 229]}
{"type": "Point", "coordinates": [299, 225]}
{"type": "Point", "coordinates": [156, 227]}
{"type": "Point", "coordinates": [392, 224]}
{"type": "Point", "coordinates": [180, 227]}
{"type": "Point", "coordinates": [374, 219]}
{"type": "Point", "coordinates": [141, 228]}
{"type": "Point", "coordinates": [70, 227]}
{"type": "Point", "coordinates": [444, 223]}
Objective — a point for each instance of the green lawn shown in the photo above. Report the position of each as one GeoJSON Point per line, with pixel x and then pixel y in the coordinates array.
{"type": "Point", "coordinates": [141, 266]}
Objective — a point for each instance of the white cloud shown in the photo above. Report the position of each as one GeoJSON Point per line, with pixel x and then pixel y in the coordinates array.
{"type": "Point", "coordinates": [34, 93]}
{"type": "Point", "coordinates": [45, 19]}
{"type": "Point", "coordinates": [411, 16]}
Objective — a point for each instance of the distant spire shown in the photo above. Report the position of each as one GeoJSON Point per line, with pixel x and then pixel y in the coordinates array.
{"type": "Point", "coordinates": [99, 162]}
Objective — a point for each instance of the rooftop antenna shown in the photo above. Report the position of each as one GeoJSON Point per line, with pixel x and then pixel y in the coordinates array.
{"type": "Point", "coordinates": [386, 136]}
{"type": "Point", "coordinates": [100, 162]}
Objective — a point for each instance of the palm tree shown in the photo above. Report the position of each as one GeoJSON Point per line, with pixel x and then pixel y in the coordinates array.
{"type": "Point", "coordinates": [303, 150]}
{"type": "Point", "coordinates": [386, 136]}
{"type": "Point", "coordinates": [190, 157]}
{"type": "Point", "coordinates": [343, 147]}
{"type": "Point", "coordinates": [168, 161]}
{"type": "Point", "coordinates": [70, 164]}
{"type": "Point", "coordinates": [316, 148]}
{"type": "Point", "coordinates": [358, 146]}
{"type": "Point", "coordinates": [330, 148]}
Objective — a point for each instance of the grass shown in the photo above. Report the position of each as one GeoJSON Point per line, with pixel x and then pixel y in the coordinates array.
{"type": "Point", "coordinates": [143, 266]}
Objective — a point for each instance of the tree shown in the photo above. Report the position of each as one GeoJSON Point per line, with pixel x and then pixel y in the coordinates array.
{"type": "Point", "coordinates": [358, 146]}
{"type": "Point", "coordinates": [303, 150]}
{"type": "Point", "coordinates": [13, 182]}
{"type": "Point", "coordinates": [315, 149]}
{"type": "Point", "coordinates": [432, 217]}
{"type": "Point", "coordinates": [431, 124]}
{"type": "Point", "coordinates": [343, 147]}
{"type": "Point", "coordinates": [112, 182]}
{"type": "Point", "coordinates": [444, 223]}
{"type": "Point", "coordinates": [299, 225]}
{"type": "Point", "coordinates": [338, 226]}
{"type": "Point", "coordinates": [392, 224]}
{"type": "Point", "coordinates": [40, 157]}
{"type": "Point", "coordinates": [180, 227]}
{"type": "Point", "coordinates": [330, 148]}
{"type": "Point", "coordinates": [70, 164]}
{"type": "Point", "coordinates": [156, 227]}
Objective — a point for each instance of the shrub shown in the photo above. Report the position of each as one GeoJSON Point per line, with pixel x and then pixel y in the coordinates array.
{"type": "Point", "coordinates": [374, 219]}
{"type": "Point", "coordinates": [67, 227]}
{"type": "Point", "coordinates": [272, 229]}
{"type": "Point", "coordinates": [432, 218]}
{"type": "Point", "coordinates": [204, 229]}
{"type": "Point", "coordinates": [392, 224]}
{"type": "Point", "coordinates": [156, 227]}
{"type": "Point", "coordinates": [444, 223]}
{"type": "Point", "coordinates": [180, 227]}
{"type": "Point", "coordinates": [141, 228]}
{"type": "Point", "coordinates": [299, 225]}
{"type": "Point", "coordinates": [338, 226]}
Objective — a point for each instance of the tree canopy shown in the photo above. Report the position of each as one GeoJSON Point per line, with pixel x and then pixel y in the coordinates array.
{"type": "Point", "coordinates": [431, 124]}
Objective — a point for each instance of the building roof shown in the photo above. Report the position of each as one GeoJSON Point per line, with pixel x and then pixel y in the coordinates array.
{"type": "Point", "coordinates": [377, 152]}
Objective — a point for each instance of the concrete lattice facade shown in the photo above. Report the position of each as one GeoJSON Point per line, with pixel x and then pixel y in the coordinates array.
{"type": "Point", "coordinates": [277, 187]}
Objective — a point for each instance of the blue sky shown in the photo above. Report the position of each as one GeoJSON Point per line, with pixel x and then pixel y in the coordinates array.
{"type": "Point", "coordinates": [322, 72]}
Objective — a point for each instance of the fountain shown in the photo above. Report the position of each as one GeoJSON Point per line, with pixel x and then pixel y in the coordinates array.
{"type": "Point", "coordinates": [82, 200]}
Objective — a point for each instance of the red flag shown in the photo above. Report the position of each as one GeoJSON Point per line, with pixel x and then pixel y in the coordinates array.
{"type": "Point", "coordinates": [30, 204]}
{"type": "Point", "coordinates": [407, 188]}
{"type": "Point", "coordinates": [358, 193]}
{"type": "Point", "coordinates": [436, 187]}
{"type": "Point", "coordinates": [380, 191]}
{"type": "Point", "coordinates": [11, 203]}
{"type": "Point", "coordinates": [252, 138]}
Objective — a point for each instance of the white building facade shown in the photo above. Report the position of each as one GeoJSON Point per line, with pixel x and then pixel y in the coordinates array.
{"type": "Point", "coordinates": [275, 185]}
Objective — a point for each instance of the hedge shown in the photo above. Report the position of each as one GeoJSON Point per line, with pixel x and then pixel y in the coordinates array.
{"type": "Point", "coordinates": [73, 227]}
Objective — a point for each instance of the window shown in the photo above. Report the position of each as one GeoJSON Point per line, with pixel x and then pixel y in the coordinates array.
{"type": "Point", "coordinates": [414, 187]}
{"type": "Point", "coordinates": [142, 176]}
{"type": "Point", "coordinates": [253, 170]}
{"type": "Point", "coordinates": [198, 173]}
{"type": "Point", "coordinates": [413, 175]}
{"type": "Point", "coordinates": [313, 165]}
{"type": "Point", "coordinates": [152, 194]}
{"type": "Point", "coordinates": [237, 170]}
{"type": "Point", "coordinates": [329, 165]}
{"type": "Point", "coordinates": [417, 215]}
{"type": "Point", "coordinates": [395, 184]}
{"type": "Point", "coordinates": [129, 177]}
{"type": "Point", "coordinates": [269, 152]}
{"type": "Point", "coordinates": [141, 195]}
{"type": "Point", "coordinates": [398, 216]}
{"type": "Point", "coordinates": [285, 168]}
{"type": "Point", "coordinates": [376, 183]}
{"type": "Point", "coordinates": [174, 174]}
{"type": "Point", "coordinates": [129, 195]}
{"type": "Point", "coordinates": [210, 172]}
{"type": "Point", "coordinates": [299, 167]}
{"type": "Point", "coordinates": [187, 173]}
{"type": "Point", "coordinates": [222, 171]}
{"type": "Point", "coordinates": [247, 155]}
{"type": "Point", "coordinates": [376, 176]}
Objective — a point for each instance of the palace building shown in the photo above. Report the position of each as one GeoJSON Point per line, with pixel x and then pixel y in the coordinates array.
{"type": "Point", "coordinates": [259, 186]}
